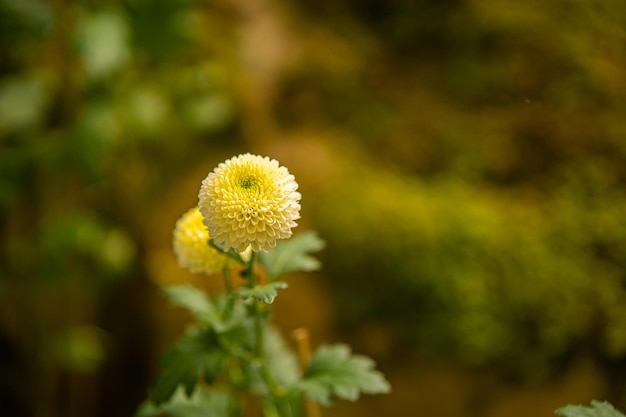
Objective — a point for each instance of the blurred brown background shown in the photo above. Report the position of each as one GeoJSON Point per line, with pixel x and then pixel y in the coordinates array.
{"type": "Point", "coordinates": [463, 159]}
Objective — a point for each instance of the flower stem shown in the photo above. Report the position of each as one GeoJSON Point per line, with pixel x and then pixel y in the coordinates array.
{"type": "Point", "coordinates": [231, 298]}
{"type": "Point", "coordinates": [249, 272]}
{"type": "Point", "coordinates": [276, 393]}
{"type": "Point", "coordinates": [231, 253]}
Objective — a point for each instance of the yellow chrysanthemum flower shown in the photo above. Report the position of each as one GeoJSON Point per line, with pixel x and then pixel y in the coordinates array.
{"type": "Point", "coordinates": [249, 200]}
{"type": "Point", "coordinates": [191, 245]}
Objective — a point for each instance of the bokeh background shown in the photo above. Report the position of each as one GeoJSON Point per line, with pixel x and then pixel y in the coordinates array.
{"type": "Point", "coordinates": [465, 160]}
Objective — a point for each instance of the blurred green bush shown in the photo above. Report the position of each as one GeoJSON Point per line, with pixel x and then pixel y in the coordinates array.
{"type": "Point", "coordinates": [485, 218]}
{"type": "Point", "coordinates": [480, 273]}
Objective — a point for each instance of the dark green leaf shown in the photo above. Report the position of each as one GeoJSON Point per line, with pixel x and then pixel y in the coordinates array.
{"type": "Point", "coordinates": [597, 409]}
{"type": "Point", "coordinates": [233, 336]}
{"type": "Point", "coordinates": [229, 320]}
{"type": "Point", "coordinates": [265, 293]}
{"type": "Point", "coordinates": [293, 255]}
{"type": "Point", "coordinates": [333, 370]}
{"type": "Point", "coordinates": [197, 355]}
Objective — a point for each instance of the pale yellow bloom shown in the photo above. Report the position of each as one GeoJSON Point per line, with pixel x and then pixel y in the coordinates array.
{"type": "Point", "coordinates": [191, 245]}
{"type": "Point", "coordinates": [249, 200]}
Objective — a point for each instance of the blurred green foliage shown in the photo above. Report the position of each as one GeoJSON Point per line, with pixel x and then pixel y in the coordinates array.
{"type": "Point", "coordinates": [479, 273]}
{"type": "Point", "coordinates": [508, 245]}
{"type": "Point", "coordinates": [100, 104]}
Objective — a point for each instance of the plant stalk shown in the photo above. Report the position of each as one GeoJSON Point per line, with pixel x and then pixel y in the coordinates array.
{"type": "Point", "coordinates": [277, 394]}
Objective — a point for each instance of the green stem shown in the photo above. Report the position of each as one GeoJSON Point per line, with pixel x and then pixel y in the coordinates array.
{"type": "Point", "coordinates": [256, 312]}
{"type": "Point", "coordinates": [249, 273]}
{"type": "Point", "coordinates": [231, 253]}
{"type": "Point", "coordinates": [231, 298]}
{"type": "Point", "coordinates": [277, 394]}
{"type": "Point", "coordinates": [259, 352]}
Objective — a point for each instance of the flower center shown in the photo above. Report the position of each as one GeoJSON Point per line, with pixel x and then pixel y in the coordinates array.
{"type": "Point", "coordinates": [247, 182]}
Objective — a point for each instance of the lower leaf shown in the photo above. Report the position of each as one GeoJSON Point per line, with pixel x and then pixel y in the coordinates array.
{"type": "Point", "coordinates": [197, 355]}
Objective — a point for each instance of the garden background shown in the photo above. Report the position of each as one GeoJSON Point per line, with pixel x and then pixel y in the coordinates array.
{"type": "Point", "coordinates": [465, 161]}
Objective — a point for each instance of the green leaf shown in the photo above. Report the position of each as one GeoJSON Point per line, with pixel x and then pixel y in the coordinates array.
{"type": "Point", "coordinates": [293, 255]}
{"type": "Point", "coordinates": [597, 409]}
{"type": "Point", "coordinates": [333, 370]}
{"type": "Point", "coordinates": [266, 293]}
{"type": "Point", "coordinates": [196, 302]}
{"type": "Point", "coordinates": [197, 355]}
{"type": "Point", "coordinates": [200, 404]}
{"type": "Point", "coordinates": [226, 319]}
{"type": "Point", "coordinates": [282, 363]}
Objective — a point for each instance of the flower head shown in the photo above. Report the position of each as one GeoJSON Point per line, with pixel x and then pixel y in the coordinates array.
{"type": "Point", "coordinates": [249, 200]}
{"type": "Point", "coordinates": [191, 245]}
